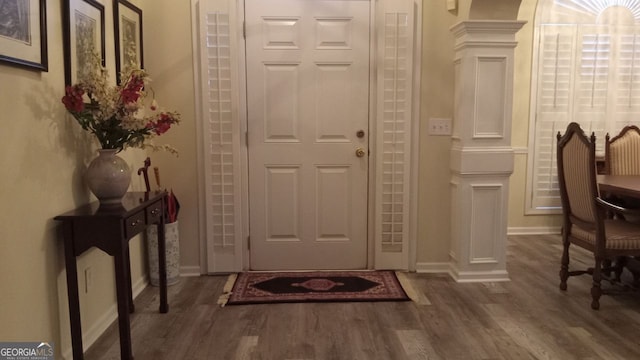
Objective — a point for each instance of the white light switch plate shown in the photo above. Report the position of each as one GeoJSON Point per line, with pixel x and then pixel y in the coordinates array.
{"type": "Point", "coordinates": [439, 126]}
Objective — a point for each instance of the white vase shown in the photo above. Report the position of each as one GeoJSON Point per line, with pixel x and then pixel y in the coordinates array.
{"type": "Point", "coordinates": [108, 177]}
{"type": "Point", "coordinates": [172, 253]}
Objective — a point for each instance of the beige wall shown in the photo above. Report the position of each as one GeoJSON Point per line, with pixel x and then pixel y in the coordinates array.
{"type": "Point", "coordinates": [44, 154]}
{"type": "Point", "coordinates": [169, 60]}
{"type": "Point", "coordinates": [521, 114]}
{"type": "Point", "coordinates": [437, 101]}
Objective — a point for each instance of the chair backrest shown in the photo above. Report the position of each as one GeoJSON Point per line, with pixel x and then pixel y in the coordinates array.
{"type": "Point", "coordinates": [622, 152]}
{"type": "Point", "coordinates": [577, 175]}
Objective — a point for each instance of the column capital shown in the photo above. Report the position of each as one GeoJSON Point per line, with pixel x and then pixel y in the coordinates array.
{"type": "Point", "coordinates": [486, 33]}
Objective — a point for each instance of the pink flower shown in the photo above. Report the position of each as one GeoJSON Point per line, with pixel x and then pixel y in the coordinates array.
{"type": "Point", "coordinates": [162, 125]}
{"type": "Point", "coordinates": [131, 93]}
{"type": "Point", "coordinates": [135, 83]}
{"type": "Point", "coordinates": [72, 99]}
{"type": "Point", "coordinates": [129, 96]}
{"type": "Point", "coordinates": [154, 105]}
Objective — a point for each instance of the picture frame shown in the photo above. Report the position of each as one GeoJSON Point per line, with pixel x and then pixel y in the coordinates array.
{"type": "Point", "coordinates": [83, 22]}
{"type": "Point", "coordinates": [127, 25]}
{"type": "Point", "coordinates": [23, 34]}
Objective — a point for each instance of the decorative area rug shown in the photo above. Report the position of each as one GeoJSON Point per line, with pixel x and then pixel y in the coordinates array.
{"type": "Point", "coordinates": [315, 286]}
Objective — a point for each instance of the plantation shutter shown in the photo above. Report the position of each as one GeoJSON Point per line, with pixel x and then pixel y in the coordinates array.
{"type": "Point", "coordinates": [627, 100]}
{"type": "Point", "coordinates": [592, 82]}
{"type": "Point", "coordinates": [393, 126]}
{"type": "Point", "coordinates": [222, 172]}
{"type": "Point", "coordinates": [556, 59]}
{"type": "Point", "coordinates": [588, 74]}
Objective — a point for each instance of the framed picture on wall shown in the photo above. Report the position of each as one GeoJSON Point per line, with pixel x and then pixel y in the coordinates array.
{"type": "Point", "coordinates": [83, 29]}
{"type": "Point", "coordinates": [128, 36]}
{"type": "Point", "coordinates": [23, 33]}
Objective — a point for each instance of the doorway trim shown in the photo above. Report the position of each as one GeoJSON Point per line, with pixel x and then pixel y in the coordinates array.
{"type": "Point", "coordinates": [234, 256]}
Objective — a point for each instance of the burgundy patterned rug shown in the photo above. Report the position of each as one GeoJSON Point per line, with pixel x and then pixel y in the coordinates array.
{"type": "Point", "coordinates": [316, 286]}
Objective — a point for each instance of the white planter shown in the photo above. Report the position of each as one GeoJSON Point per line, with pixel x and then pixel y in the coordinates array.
{"type": "Point", "coordinates": [172, 241]}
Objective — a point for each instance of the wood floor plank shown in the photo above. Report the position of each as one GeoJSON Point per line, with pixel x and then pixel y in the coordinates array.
{"type": "Point", "coordinates": [591, 344]}
{"type": "Point", "coordinates": [246, 347]}
{"type": "Point", "coordinates": [416, 345]}
{"type": "Point", "coordinates": [525, 318]}
{"type": "Point", "coordinates": [526, 336]}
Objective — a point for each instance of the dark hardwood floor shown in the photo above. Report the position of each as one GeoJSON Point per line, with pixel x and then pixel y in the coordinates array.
{"type": "Point", "coordinates": [526, 318]}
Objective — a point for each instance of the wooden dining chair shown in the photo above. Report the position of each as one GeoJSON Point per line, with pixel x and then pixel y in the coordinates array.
{"type": "Point", "coordinates": [622, 157]}
{"type": "Point", "coordinates": [622, 152]}
{"type": "Point", "coordinates": [585, 223]}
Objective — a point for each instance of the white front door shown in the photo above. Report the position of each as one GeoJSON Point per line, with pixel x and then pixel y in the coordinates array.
{"type": "Point", "coordinates": [308, 133]}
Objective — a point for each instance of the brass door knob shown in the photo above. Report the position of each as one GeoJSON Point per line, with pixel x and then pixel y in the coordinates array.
{"type": "Point", "coordinates": [360, 152]}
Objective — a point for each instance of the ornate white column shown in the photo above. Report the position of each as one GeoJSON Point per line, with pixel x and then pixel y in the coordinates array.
{"type": "Point", "coordinates": [481, 153]}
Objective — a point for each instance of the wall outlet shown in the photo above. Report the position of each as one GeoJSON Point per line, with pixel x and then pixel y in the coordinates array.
{"type": "Point", "coordinates": [88, 280]}
{"type": "Point", "coordinates": [439, 126]}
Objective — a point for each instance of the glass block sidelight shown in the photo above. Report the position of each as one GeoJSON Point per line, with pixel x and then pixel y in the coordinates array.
{"type": "Point", "coordinates": [220, 172]}
{"type": "Point", "coordinates": [393, 123]}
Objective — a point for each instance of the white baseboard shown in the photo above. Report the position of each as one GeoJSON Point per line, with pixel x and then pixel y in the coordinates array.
{"type": "Point", "coordinates": [541, 230]}
{"type": "Point", "coordinates": [432, 268]}
{"type": "Point", "coordinates": [187, 271]}
{"type": "Point", "coordinates": [91, 336]}
{"type": "Point", "coordinates": [480, 276]}
{"type": "Point", "coordinates": [469, 276]}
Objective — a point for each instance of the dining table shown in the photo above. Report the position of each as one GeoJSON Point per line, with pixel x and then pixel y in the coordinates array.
{"type": "Point", "coordinates": [621, 185]}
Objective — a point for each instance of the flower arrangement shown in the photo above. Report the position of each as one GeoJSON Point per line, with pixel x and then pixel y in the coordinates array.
{"type": "Point", "coordinates": [117, 115]}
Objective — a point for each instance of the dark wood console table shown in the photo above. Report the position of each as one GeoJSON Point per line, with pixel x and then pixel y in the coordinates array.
{"type": "Point", "coordinates": [110, 229]}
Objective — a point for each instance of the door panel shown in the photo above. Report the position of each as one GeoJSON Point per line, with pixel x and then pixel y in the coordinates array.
{"type": "Point", "coordinates": [307, 91]}
{"type": "Point", "coordinates": [333, 199]}
{"type": "Point", "coordinates": [283, 203]}
{"type": "Point", "coordinates": [281, 119]}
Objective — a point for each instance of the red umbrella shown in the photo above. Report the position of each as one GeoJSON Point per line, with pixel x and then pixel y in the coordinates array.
{"type": "Point", "coordinates": [173, 207]}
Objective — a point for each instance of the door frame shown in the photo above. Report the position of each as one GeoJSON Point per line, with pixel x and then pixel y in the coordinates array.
{"type": "Point", "coordinates": [236, 10]}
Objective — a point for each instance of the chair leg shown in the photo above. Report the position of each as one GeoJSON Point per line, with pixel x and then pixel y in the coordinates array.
{"type": "Point", "coordinates": [564, 265]}
{"type": "Point", "coordinates": [596, 290]}
{"type": "Point", "coordinates": [607, 265]}
{"type": "Point", "coordinates": [621, 262]}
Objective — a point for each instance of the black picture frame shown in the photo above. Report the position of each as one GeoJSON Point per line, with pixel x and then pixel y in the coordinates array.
{"type": "Point", "coordinates": [23, 42]}
{"type": "Point", "coordinates": [127, 26]}
{"type": "Point", "coordinates": [85, 17]}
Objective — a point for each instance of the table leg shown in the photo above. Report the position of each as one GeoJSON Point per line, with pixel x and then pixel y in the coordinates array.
{"type": "Point", "coordinates": [72, 292]}
{"type": "Point", "coordinates": [122, 295]}
{"type": "Point", "coordinates": [162, 268]}
{"type": "Point", "coordinates": [132, 307]}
